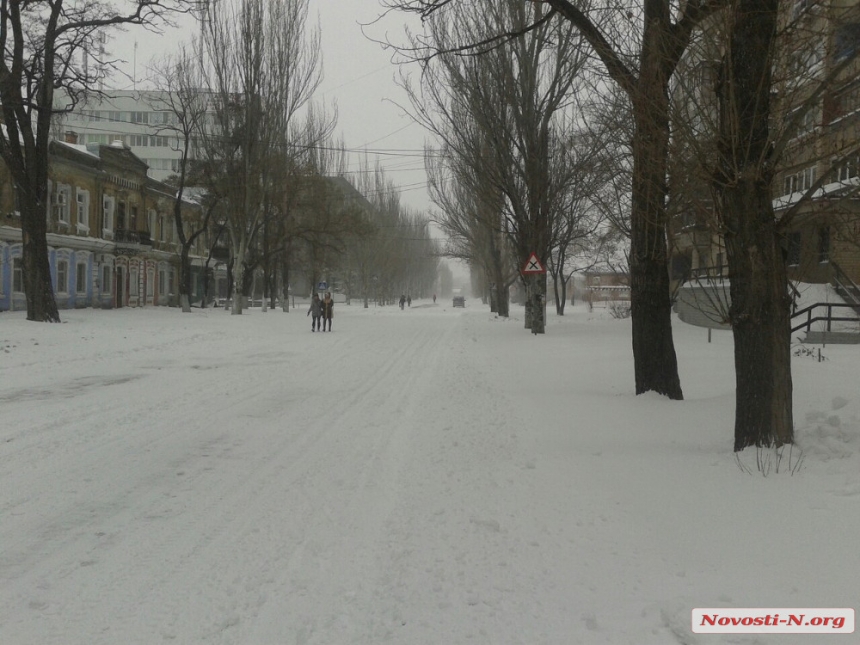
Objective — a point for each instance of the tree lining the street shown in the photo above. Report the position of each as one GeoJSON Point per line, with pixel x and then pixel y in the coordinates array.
{"type": "Point", "coordinates": [44, 47]}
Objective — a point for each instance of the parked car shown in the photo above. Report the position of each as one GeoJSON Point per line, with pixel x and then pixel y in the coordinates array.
{"type": "Point", "coordinates": [459, 301]}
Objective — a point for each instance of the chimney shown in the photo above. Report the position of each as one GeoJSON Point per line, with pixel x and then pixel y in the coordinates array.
{"type": "Point", "coordinates": [70, 136]}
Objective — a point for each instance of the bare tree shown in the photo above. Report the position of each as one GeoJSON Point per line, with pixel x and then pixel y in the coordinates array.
{"type": "Point", "coordinates": [42, 44]}
{"type": "Point", "coordinates": [472, 217]}
{"type": "Point", "coordinates": [393, 253]}
{"type": "Point", "coordinates": [261, 67]}
{"type": "Point", "coordinates": [179, 80]}
{"type": "Point", "coordinates": [659, 32]}
{"type": "Point", "coordinates": [506, 114]}
{"type": "Point", "coordinates": [749, 100]}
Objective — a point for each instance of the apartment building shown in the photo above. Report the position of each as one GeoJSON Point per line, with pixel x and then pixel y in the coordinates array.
{"type": "Point", "coordinates": [816, 190]}
{"type": "Point", "coordinates": [141, 120]}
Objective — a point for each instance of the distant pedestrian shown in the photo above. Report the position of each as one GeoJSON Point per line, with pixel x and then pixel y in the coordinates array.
{"type": "Point", "coordinates": [402, 300]}
{"type": "Point", "coordinates": [327, 310]}
{"type": "Point", "coordinates": [409, 300]}
{"type": "Point", "coordinates": [315, 312]}
{"type": "Point", "coordinates": [434, 298]}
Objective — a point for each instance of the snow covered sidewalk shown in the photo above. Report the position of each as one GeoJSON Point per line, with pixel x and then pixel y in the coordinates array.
{"type": "Point", "coordinates": [429, 476]}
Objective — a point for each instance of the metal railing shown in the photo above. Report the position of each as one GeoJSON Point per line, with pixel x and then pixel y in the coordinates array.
{"type": "Point", "coordinates": [829, 318]}
{"type": "Point", "coordinates": [845, 286]}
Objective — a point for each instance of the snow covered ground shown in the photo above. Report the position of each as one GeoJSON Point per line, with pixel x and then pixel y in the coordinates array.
{"type": "Point", "coordinates": [434, 476]}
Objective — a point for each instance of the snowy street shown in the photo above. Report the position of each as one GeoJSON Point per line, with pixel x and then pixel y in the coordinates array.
{"type": "Point", "coordinates": [434, 476]}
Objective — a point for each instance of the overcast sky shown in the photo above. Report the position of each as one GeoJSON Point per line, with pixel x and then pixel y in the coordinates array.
{"type": "Point", "coordinates": [358, 75]}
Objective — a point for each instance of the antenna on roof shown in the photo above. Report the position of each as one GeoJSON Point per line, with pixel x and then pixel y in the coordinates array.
{"type": "Point", "coordinates": [101, 66]}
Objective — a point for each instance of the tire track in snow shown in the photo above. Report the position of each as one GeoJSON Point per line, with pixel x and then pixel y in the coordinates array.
{"type": "Point", "coordinates": [191, 531]}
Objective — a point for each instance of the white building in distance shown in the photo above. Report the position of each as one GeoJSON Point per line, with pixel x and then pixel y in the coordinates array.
{"type": "Point", "coordinates": [138, 118]}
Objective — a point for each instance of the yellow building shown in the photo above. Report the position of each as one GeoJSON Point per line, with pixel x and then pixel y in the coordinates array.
{"type": "Point", "coordinates": [111, 234]}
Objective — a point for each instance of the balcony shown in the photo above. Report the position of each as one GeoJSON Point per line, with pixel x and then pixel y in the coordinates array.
{"type": "Point", "coordinates": [220, 254]}
{"type": "Point", "coordinates": [125, 236]}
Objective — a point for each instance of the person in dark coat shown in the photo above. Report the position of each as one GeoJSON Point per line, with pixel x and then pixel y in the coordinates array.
{"type": "Point", "coordinates": [315, 311]}
{"type": "Point", "coordinates": [327, 310]}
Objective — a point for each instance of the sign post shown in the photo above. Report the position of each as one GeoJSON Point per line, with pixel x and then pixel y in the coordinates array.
{"type": "Point", "coordinates": [533, 270]}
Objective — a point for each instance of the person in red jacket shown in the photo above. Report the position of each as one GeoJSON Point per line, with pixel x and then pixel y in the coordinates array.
{"type": "Point", "coordinates": [327, 310]}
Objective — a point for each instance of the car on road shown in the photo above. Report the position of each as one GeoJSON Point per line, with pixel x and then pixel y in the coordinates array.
{"type": "Point", "coordinates": [459, 301]}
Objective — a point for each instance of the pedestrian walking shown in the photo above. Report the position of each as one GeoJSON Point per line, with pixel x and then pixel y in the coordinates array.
{"type": "Point", "coordinates": [409, 300]}
{"type": "Point", "coordinates": [434, 298]}
{"type": "Point", "coordinates": [327, 310]}
{"type": "Point", "coordinates": [402, 300]}
{"type": "Point", "coordinates": [315, 312]}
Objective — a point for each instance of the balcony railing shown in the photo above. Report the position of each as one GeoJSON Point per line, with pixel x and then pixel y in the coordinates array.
{"type": "Point", "coordinates": [126, 236]}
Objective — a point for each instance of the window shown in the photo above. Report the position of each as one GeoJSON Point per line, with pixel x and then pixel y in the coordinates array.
{"type": "Point", "coordinates": [108, 208]}
{"type": "Point", "coordinates": [799, 182]}
{"type": "Point", "coordinates": [848, 170]}
{"type": "Point", "coordinates": [107, 279]}
{"type": "Point", "coordinates": [802, 6]}
{"type": "Point", "coordinates": [159, 142]}
{"type": "Point", "coordinates": [151, 219]}
{"type": "Point", "coordinates": [81, 278]}
{"type": "Point", "coordinates": [140, 117]}
{"type": "Point", "coordinates": [806, 178]}
{"type": "Point", "coordinates": [161, 118]}
{"type": "Point", "coordinates": [824, 244]}
{"type": "Point", "coordinates": [132, 282]}
{"type": "Point", "coordinates": [849, 100]}
{"type": "Point", "coordinates": [162, 282]}
{"type": "Point", "coordinates": [794, 246]}
{"type": "Point", "coordinates": [62, 276]}
{"type": "Point", "coordinates": [137, 140]}
{"type": "Point", "coordinates": [83, 214]}
{"type": "Point", "coordinates": [17, 276]}
{"type": "Point", "coordinates": [808, 120]}
{"type": "Point", "coordinates": [60, 205]}
{"type": "Point", "coordinates": [846, 40]}
{"type": "Point", "coordinates": [120, 216]}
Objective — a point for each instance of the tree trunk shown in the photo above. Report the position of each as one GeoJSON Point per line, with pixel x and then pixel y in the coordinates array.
{"type": "Point", "coordinates": [529, 304]}
{"type": "Point", "coordinates": [35, 266]}
{"type": "Point", "coordinates": [760, 311]}
{"type": "Point", "coordinates": [761, 320]}
{"type": "Point", "coordinates": [563, 299]}
{"type": "Point", "coordinates": [285, 284]}
{"type": "Point", "coordinates": [238, 283]}
{"type": "Point", "coordinates": [185, 278]}
{"type": "Point", "coordinates": [498, 277]}
{"type": "Point", "coordinates": [537, 291]}
{"type": "Point", "coordinates": [655, 362]}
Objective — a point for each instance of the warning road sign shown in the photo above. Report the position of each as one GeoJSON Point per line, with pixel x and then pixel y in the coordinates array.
{"type": "Point", "coordinates": [533, 265]}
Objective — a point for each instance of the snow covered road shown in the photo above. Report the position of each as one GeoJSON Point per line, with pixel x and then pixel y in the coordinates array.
{"type": "Point", "coordinates": [416, 477]}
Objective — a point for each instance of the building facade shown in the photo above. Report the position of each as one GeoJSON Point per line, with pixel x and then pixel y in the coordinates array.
{"type": "Point", "coordinates": [111, 234]}
{"type": "Point", "coordinates": [816, 116]}
{"type": "Point", "coordinates": [142, 120]}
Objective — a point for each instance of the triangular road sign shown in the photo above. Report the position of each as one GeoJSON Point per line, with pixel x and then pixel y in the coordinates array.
{"type": "Point", "coordinates": [533, 265]}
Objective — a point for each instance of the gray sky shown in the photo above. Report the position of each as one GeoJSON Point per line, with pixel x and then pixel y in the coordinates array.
{"type": "Point", "coordinates": [358, 75]}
